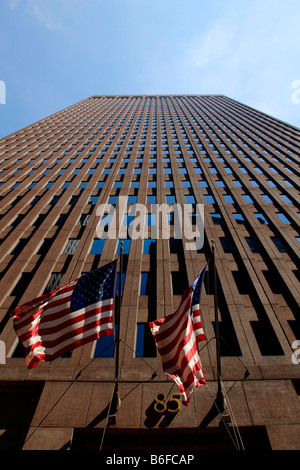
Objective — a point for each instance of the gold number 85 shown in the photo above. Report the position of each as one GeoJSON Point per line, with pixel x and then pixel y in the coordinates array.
{"type": "Point", "coordinates": [172, 405]}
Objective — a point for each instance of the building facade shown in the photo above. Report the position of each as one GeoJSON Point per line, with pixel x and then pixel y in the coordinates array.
{"type": "Point", "coordinates": [242, 167]}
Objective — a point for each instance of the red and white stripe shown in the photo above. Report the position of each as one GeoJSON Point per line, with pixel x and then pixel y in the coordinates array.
{"type": "Point", "coordinates": [176, 342]}
{"type": "Point", "coordinates": [199, 332]}
{"type": "Point", "coordinates": [47, 328]}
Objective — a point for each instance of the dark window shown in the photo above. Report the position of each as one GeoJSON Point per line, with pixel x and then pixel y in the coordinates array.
{"type": "Point", "coordinates": [145, 345]}
{"type": "Point", "coordinates": [279, 244]}
{"type": "Point", "coordinates": [253, 244]}
{"type": "Point", "coordinates": [227, 244]}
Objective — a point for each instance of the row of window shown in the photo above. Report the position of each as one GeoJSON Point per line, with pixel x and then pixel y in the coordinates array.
{"type": "Point", "coordinates": [149, 245]}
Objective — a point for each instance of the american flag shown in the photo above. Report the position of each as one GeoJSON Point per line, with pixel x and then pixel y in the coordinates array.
{"type": "Point", "coordinates": [176, 338]}
{"type": "Point", "coordinates": [68, 317]}
{"type": "Point", "coordinates": [195, 308]}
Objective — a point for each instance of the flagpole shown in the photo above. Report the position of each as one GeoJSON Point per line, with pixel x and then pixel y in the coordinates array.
{"type": "Point", "coordinates": [217, 328]}
{"type": "Point", "coordinates": [118, 316]}
{"type": "Point", "coordinates": [116, 402]}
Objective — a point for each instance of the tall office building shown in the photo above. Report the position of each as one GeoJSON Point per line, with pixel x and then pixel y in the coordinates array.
{"type": "Point", "coordinates": [243, 167]}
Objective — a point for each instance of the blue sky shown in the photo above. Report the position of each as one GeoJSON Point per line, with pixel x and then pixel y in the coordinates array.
{"type": "Point", "coordinates": [55, 53]}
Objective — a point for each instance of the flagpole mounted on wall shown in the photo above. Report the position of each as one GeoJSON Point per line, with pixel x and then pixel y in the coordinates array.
{"type": "Point", "coordinates": [116, 401]}
{"type": "Point", "coordinates": [220, 399]}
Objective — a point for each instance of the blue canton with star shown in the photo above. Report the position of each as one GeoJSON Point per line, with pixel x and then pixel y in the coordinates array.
{"type": "Point", "coordinates": [94, 287]}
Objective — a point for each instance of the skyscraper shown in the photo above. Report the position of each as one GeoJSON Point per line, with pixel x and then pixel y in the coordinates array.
{"type": "Point", "coordinates": [242, 167]}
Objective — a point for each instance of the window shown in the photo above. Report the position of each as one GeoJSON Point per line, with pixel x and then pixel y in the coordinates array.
{"type": "Point", "coordinates": [175, 245]}
{"type": "Point", "coordinates": [97, 247]}
{"type": "Point", "coordinates": [54, 282]}
{"type": "Point", "coordinates": [131, 199]}
{"type": "Point", "coordinates": [286, 199]}
{"type": "Point", "coordinates": [128, 219]}
{"type": "Point", "coordinates": [239, 218]}
{"type": "Point", "coordinates": [279, 244]}
{"type": "Point", "coordinates": [227, 244]}
{"type": "Point", "coordinates": [150, 219]}
{"type": "Point", "coordinates": [73, 200]}
{"type": "Point", "coordinates": [145, 345]}
{"type": "Point", "coordinates": [186, 184]}
{"type": "Point", "coordinates": [169, 184]}
{"type": "Point", "coordinates": [113, 200]}
{"type": "Point", "coordinates": [93, 200]}
{"type": "Point", "coordinates": [19, 218]}
{"type": "Point", "coordinates": [37, 198]}
{"type": "Point", "coordinates": [267, 199]}
{"type": "Point", "coordinates": [105, 346]}
{"type": "Point", "coordinates": [118, 184]}
{"type": "Point", "coordinates": [217, 219]}
{"type": "Point", "coordinates": [144, 290]}
{"type": "Point", "coordinates": [126, 246]}
{"type": "Point", "coordinates": [71, 246]}
{"type": "Point", "coordinates": [190, 200]}
{"type": "Point", "coordinates": [243, 170]}
{"type": "Point", "coordinates": [253, 244]}
{"type": "Point", "coordinates": [149, 246]}
{"type": "Point", "coordinates": [19, 247]}
{"type": "Point", "coordinates": [83, 221]}
{"type": "Point", "coordinates": [283, 218]}
{"type": "Point", "coordinates": [179, 282]}
{"type": "Point", "coordinates": [209, 199]}
{"type": "Point", "coordinates": [228, 199]}
{"type": "Point", "coordinates": [135, 184]}
{"type": "Point", "coordinates": [170, 200]}
{"type": "Point", "coordinates": [247, 199]}
{"type": "Point", "coordinates": [261, 218]}
{"type": "Point", "coordinates": [151, 199]}
{"type": "Point", "coordinates": [122, 283]}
